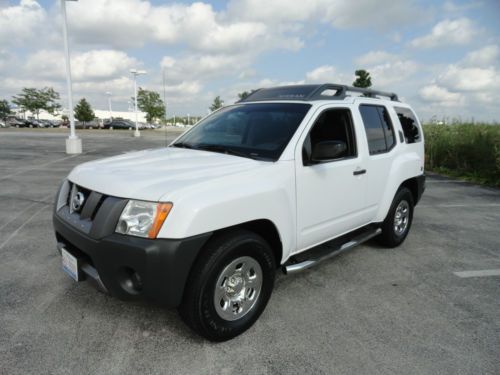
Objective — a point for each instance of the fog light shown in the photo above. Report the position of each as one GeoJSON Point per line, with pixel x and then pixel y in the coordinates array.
{"type": "Point", "coordinates": [130, 280]}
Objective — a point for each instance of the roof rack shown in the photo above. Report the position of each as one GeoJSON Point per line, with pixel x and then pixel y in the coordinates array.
{"type": "Point", "coordinates": [313, 92]}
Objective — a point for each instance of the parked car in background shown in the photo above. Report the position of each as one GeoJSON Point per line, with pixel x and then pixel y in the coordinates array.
{"type": "Point", "coordinates": [3, 124]}
{"type": "Point", "coordinates": [94, 124]}
{"type": "Point", "coordinates": [34, 123]}
{"type": "Point", "coordinates": [48, 124]}
{"type": "Point", "coordinates": [119, 123]}
{"type": "Point", "coordinates": [16, 122]}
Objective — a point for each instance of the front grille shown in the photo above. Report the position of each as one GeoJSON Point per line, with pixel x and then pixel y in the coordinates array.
{"type": "Point", "coordinates": [91, 201]}
{"type": "Point", "coordinates": [90, 212]}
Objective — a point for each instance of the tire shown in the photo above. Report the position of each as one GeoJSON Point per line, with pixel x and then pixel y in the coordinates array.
{"type": "Point", "coordinates": [219, 264]}
{"type": "Point", "coordinates": [395, 230]}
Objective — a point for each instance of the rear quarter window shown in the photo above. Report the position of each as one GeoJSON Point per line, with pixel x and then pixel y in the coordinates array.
{"type": "Point", "coordinates": [409, 124]}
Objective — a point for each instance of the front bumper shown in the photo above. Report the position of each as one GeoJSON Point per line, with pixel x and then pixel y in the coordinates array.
{"type": "Point", "coordinates": [133, 268]}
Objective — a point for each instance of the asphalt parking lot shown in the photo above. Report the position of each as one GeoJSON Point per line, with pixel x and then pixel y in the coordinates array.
{"type": "Point", "coordinates": [369, 311]}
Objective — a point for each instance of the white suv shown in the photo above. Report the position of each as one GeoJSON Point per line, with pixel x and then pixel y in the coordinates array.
{"type": "Point", "coordinates": [204, 223]}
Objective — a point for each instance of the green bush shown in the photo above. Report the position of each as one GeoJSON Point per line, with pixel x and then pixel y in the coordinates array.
{"type": "Point", "coordinates": [471, 151]}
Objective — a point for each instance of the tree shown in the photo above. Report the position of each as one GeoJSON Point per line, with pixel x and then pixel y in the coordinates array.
{"type": "Point", "coordinates": [51, 97]}
{"type": "Point", "coordinates": [34, 100]}
{"type": "Point", "coordinates": [83, 111]}
{"type": "Point", "coordinates": [151, 103]}
{"type": "Point", "coordinates": [217, 103]}
{"type": "Point", "coordinates": [245, 94]}
{"type": "Point", "coordinates": [363, 79]}
{"type": "Point", "coordinates": [4, 109]}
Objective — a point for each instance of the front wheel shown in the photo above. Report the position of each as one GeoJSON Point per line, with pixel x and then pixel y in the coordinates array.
{"type": "Point", "coordinates": [397, 224]}
{"type": "Point", "coordinates": [229, 285]}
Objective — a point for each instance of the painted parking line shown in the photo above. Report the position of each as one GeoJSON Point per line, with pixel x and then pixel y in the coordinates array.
{"type": "Point", "coordinates": [459, 205]}
{"type": "Point", "coordinates": [479, 273]}
{"type": "Point", "coordinates": [18, 215]}
{"type": "Point", "coordinates": [45, 201]}
{"type": "Point", "coordinates": [13, 234]}
{"type": "Point", "coordinates": [428, 181]}
{"type": "Point", "coordinates": [42, 166]}
{"type": "Point", "coordinates": [36, 167]}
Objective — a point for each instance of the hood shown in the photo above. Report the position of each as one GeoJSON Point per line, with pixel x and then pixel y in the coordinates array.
{"type": "Point", "coordinates": [150, 174]}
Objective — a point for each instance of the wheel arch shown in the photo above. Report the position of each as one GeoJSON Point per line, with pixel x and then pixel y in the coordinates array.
{"type": "Point", "coordinates": [264, 228]}
{"type": "Point", "coordinates": [412, 185]}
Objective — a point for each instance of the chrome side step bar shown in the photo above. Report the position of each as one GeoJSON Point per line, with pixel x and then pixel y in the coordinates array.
{"type": "Point", "coordinates": [297, 267]}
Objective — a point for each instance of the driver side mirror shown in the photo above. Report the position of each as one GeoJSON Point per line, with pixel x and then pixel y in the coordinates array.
{"type": "Point", "coordinates": [327, 150]}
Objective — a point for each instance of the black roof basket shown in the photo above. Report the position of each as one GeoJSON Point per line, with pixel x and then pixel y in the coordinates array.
{"type": "Point", "coordinates": [313, 92]}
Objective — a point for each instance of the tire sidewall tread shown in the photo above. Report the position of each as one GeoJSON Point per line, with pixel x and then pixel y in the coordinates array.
{"type": "Point", "coordinates": [388, 237]}
{"type": "Point", "coordinates": [197, 308]}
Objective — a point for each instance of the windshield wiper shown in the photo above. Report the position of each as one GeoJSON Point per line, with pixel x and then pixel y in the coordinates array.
{"type": "Point", "coordinates": [183, 145]}
{"type": "Point", "coordinates": [222, 149]}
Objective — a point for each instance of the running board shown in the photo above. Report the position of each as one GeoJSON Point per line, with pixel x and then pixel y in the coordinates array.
{"type": "Point", "coordinates": [355, 241]}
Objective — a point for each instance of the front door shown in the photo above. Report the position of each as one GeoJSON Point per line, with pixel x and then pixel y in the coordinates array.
{"type": "Point", "coordinates": [330, 192]}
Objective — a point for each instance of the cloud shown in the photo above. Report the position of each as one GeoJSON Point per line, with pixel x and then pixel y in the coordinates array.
{"type": "Point", "coordinates": [482, 57]}
{"type": "Point", "coordinates": [23, 22]}
{"type": "Point", "coordinates": [448, 32]}
{"type": "Point", "coordinates": [198, 26]}
{"type": "Point", "coordinates": [469, 79]}
{"type": "Point", "coordinates": [338, 13]}
{"type": "Point", "coordinates": [85, 66]}
{"type": "Point", "coordinates": [322, 74]}
{"type": "Point", "coordinates": [452, 7]}
{"type": "Point", "coordinates": [124, 23]}
{"type": "Point", "coordinates": [437, 95]}
{"type": "Point", "coordinates": [375, 57]}
{"type": "Point", "coordinates": [204, 67]}
{"type": "Point", "coordinates": [393, 72]}
{"type": "Point", "coordinates": [471, 83]}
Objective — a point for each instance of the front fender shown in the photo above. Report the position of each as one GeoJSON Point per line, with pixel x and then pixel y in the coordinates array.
{"type": "Point", "coordinates": [267, 194]}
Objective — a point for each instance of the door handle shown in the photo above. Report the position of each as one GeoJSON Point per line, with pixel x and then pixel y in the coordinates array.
{"type": "Point", "coordinates": [359, 171]}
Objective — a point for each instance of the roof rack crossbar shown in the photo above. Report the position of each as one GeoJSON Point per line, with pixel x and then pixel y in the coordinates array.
{"type": "Point", "coordinates": [316, 93]}
{"type": "Point", "coordinates": [342, 90]}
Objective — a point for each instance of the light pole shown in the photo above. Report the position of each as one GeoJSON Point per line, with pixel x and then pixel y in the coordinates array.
{"type": "Point", "coordinates": [109, 105]}
{"type": "Point", "coordinates": [164, 96]}
{"type": "Point", "coordinates": [136, 73]}
{"type": "Point", "coordinates": [73, 143]}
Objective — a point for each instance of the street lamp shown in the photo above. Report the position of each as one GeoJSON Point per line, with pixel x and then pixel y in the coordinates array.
{"type": "Point", "coordinates": [136, 73]}
{"type": "Point", "coordinates": [164, 96]}
{"type": "Point", "coordinates": [73, 143]}
{"type": "Point", "coordinates": [109, 105]}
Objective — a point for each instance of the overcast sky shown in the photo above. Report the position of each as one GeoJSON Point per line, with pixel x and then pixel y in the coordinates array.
{"type": "Point", "coordinates": [441, 57]}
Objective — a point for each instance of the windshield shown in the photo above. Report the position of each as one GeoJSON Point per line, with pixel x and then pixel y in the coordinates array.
{"type": "Point", "coordinates": [258, 131]}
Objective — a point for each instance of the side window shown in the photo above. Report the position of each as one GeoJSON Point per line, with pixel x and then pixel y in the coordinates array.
{"type": "Point", "coordinates": [378, 127]}
{"type": "Point", "coordinates": [409, 124]}
{"type": "Point", "coordinates": [332, 125]}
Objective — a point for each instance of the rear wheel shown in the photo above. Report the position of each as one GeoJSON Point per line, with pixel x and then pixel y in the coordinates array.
{"type": "Point", "coordinates": [229, 285]}
{"type": "Point", "coordinates": [397, 224]}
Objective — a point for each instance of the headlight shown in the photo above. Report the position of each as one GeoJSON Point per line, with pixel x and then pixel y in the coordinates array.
{"type": "Point", "coordinates": [143, 219]}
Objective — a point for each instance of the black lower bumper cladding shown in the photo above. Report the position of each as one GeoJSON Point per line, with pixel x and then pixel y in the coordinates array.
{"type": "Point", "coordinates": [133, 268]}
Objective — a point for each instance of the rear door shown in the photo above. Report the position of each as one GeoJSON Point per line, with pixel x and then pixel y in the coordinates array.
{"type": "Point", "coordinates": [382, 142]}
{"type": "Point", "coordinates": [330, 194]}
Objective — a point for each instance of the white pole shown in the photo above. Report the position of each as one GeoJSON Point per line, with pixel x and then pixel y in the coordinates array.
{"type": "Point", "coordinates": [136, 133]}
{"type": "Point", "coordinates": [109, 105]}
{"type": "Point", "coordinates": [73, 143]}
{"type": "Point", "coordinates": [164, 96]}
